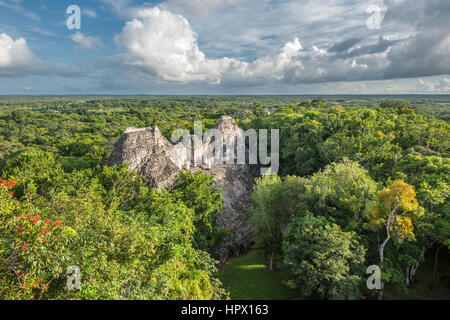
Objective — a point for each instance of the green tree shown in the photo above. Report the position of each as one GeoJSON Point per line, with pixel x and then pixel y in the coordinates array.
{"type": "Point", "coordinates": [344, 192]}
{"type": "Point", "coordinates": [396, 210]}
{"type": "Point", "coordinates": [321, 260]}
{"type": "Point", "coordinates": [275, 204]}
{"type": "Point", "coordinates": [197, 192]}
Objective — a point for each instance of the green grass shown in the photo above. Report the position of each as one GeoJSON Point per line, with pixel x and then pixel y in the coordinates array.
{"type": "Point", "coordinates": [246, 278]}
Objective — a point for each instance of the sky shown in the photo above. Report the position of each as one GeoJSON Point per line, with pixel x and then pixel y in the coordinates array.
{"type": "Point", "coordinates": [225, 47]}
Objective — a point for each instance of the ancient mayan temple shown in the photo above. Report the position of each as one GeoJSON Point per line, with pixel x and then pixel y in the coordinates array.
{"type": "Point", "coordinates": [150, 154]}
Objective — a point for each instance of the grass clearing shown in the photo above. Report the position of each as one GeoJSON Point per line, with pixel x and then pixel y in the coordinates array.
{"type": "Point", "coordinates": [246, 278]}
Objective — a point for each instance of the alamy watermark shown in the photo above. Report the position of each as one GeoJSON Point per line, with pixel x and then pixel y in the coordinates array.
{"type": "Point", "coordinates": [374, 280]}
{"type": "Point", "coordinates": [377, 16]}
{"type": "Point", "coordinates": [226, 147]}
{"type": "Point", "coordinates": [73, 278]}
{"type": "Point", "coordinates": [74, 19]}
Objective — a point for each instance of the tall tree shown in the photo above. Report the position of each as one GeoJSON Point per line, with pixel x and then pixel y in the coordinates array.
{"type": "Point", "coordinates": [321, 260]}
{"type": "Point", "coordinates": [397, 206]}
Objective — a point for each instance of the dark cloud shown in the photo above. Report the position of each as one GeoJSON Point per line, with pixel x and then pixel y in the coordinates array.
{"type": "Point", "coordinates": [344, 46]}
{"type": "Point", "coordinates": [427, 52]}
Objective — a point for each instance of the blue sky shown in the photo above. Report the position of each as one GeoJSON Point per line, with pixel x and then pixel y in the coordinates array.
{"type": "Point", "coordinates": [225, 47]}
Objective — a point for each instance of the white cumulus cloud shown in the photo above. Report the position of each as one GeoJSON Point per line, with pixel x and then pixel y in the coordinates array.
{"type": "Point", "coordinates": [90, 13]}
{"type": "Point", "coordinates": [433, 87]}
{"type": "Point", "coordinates": [164, 44]}
{"type": "Point", "coordinates": [16, 58]}
{"type": "Point", "coordinates": [86, 42]}
{"type": "Point", "coordinates": [444, 85]}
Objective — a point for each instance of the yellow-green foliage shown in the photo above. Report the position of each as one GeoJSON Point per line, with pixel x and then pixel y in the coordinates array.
{"type": "Point", "coordinates": [397, 205]}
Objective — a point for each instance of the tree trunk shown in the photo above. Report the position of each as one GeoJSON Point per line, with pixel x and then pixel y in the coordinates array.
{"type": "Point", "coordinates": [413, 273]}
{"type": "Point", "coordinates": [382, 248]}
{"type": "Point", "coordinates": [421, 259]}
{"type": "Point", "coordinates": [436, 258]}
{"type": "Point", "coordinates": [414, 267]}
{"type": "Point", "coordinates": [271, 262]}
{"type": "Point", "coordinates": [388, 225]}
{"type": "Point", "coordinates": [407, 277]}
{"type": "Point", "coordinates": [380, 294]}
